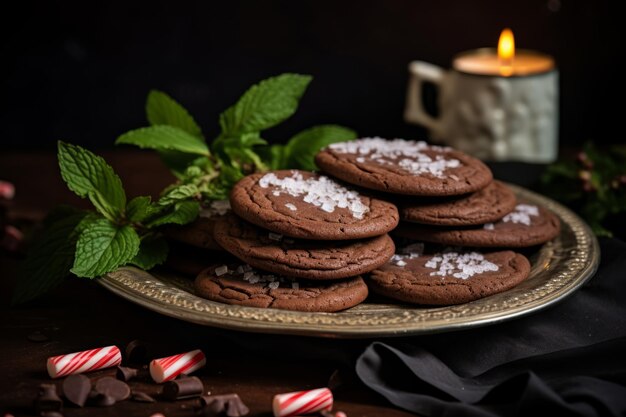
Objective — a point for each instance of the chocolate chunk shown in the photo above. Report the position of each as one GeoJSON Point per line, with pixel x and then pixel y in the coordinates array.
{"type": "Point", "coordinates": [51, 414]}
{"type": "Point", "coordinates": [327, 413]}
{"type": "Point", "coordinates": [48, 399]}
{"type": "Point", "coordinates": [141, 397]}
{"type": "Point", "coordinates": [178, 389]}
{"type": "Point", "coordinates": [126, 374]}
{"type": "Point", "coordinates": [93, 394]}
{"type": "Point", "coordinates": [103, 400]}
{"type": "Point", "coordinates": [76, 389]}
{"type": "Point", "coordinates": [219, 405]}
{"type": "Point", "coordinates": [112, 387]}
{"type": "Point", "coordinates": [136, 352]}
{"type": "Point", "coordinates": [37, 337]}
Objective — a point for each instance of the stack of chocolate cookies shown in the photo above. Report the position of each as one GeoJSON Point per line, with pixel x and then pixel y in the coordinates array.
{"type": "Point", "coordinates": [302, 242]}
{"type": "Point", "coordinates": [450, 200]}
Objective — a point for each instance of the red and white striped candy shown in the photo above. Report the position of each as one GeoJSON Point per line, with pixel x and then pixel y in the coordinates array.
{"type": "Point", "coordinates": [166, 369]}
{"type": "Point", "coordinates": [79, 362]}
{"type": "Point", "coordinates": [302, 402]}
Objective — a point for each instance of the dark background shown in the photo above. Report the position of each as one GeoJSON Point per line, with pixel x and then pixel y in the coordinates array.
{"type": "Point", "coordinates": [80, 71]}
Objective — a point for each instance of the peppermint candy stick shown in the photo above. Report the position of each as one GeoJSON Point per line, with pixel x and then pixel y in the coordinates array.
{"type": "Point", "coordinates": [85, 361]}
{"type": "Point", "coordinates": [166, 369]}
{"type": "Point", "coordinates": [302, 402]}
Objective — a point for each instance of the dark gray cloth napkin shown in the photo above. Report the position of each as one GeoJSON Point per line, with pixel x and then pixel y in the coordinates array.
{"type": "Point", "coordinates": [569, 359]}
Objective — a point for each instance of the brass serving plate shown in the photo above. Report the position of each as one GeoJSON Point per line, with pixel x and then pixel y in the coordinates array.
{"type": "Point", "coordinates": [558, 269]}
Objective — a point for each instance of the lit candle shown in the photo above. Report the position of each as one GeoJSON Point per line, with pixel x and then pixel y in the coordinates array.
{"type": "Point", "coordinates": [505, 60]}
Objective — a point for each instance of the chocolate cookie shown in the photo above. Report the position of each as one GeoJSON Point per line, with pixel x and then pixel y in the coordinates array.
{"type": "Point", "coordinates": [307, 205]}
{"type": "Point", "coordinates": [450, 277]}
{"type": "Point", "coordinates": [242, 285]}
{"type": "Point", "coordinates": [301, 258]}
{"type": "Point", "coordinates": [487, 205]}
{"type": "Point", "coordinates": [404, 167]}
{"type": "Point", "coordinates": [199, 233]}
{"type": "Point", "coordinates": [527, 225]}
{"type": "Point", "coordinates": [190, 260]}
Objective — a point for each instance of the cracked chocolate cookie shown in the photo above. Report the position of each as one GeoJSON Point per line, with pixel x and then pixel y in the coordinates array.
{"type": "Point", "coordinates": [240, 284]}
{"type": "Point", "coordinates": [448, 278]}
{"type": "Point", "coordinates": [404, 167]}
{"type": "Point", "coordinates": [307, 205]}
{"type": "Point", "coordinates": [299, 258]}
{"type": "Point", "coordinates": [527, 225]}
{"type": "Point", "coordinates": [199, 233]}
{"type": "Point", "coordinates": [487, 205]}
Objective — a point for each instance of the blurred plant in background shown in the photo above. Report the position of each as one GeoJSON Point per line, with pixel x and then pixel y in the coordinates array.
{"type": "Point", "coordinates": [592, 183]}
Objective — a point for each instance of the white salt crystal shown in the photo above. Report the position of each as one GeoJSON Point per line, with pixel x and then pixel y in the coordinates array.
{"type": "Point", "coordinates": [221, 270]}
{"type": "Point", "coordinates": [488, 226]}
{"type": "Point", "coordinates": [215, 208]}
{"type": "Point", "coordinates": [274, 284]}
{"type": "Point", "coordinates": [291, 206]}
{"type": "Point", "coordinates": [275, 236]}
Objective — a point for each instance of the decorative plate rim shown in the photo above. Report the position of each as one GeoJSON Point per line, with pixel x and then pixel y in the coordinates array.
{"type": "Point", "coordinates": [561, 267]}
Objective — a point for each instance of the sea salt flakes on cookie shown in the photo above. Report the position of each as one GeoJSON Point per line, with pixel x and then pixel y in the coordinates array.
{"type": "Point", "coordinates": [460, 265]}
{"type": "Point", "coordinates": [307, 205]}
{"type": "Point", "coordinates": [450, 277]}
{"type": "Point", "coordinates": [320, 191]}
{"type": "Point", "coordinates": [404, 167]}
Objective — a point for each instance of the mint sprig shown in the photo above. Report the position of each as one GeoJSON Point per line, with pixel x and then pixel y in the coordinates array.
{"type": "Point", "coordinates": [239, 148]}
{"type": "Point", "coordinates": [91, 244]}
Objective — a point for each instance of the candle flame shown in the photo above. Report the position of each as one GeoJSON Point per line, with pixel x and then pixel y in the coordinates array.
{"type": "Point", "coordinates": [506, 52]}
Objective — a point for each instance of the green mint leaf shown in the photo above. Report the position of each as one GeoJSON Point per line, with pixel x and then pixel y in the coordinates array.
{"type": "Point", "coordinates": [162, 109]}
{"type": "Point", "coordinates": [177, 193]}
{"type": "Point", "coordinates": [273, 156]}
{"type": "Point", "coordinates": [301, 149]}
{"type": "Point", "coordinates": [102, 247]}
{"type": "Point", "coordinates": [89, 175]}
{"type": "Point", "coordinates": [51, 254]}
{"type": "Point", "coordinates": [178, 162]}
{"type": "Point", "coordinates": [164, 138]}
{"type": "Point", "coordinates": [238, 150]}
{"type": "Point", "coordinates": [181, 213]}
{"type": "Point", "coordinates": [264, 105]}
{"type": "Point", "coordinates": [153, 251]}
{"type": "Point", "coordinates": [139, 208]}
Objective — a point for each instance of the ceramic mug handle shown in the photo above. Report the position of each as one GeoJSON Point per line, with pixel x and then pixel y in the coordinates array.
{"type": "Point", "coordinates": [420, 72]}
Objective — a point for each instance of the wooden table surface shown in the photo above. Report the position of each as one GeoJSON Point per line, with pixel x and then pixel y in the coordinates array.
{"type": "Point", "coordinates": [82, 315]}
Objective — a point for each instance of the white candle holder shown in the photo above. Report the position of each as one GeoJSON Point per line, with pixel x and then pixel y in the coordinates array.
{"type": "Point", "coordinates": [493, 117]}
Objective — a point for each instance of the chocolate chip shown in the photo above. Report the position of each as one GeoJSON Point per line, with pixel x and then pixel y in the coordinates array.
{"type": "Point", "coordinates": [76, 389]}
{"type": "Point", "coordinates": [141, 397]}
{"type": "Point", "coordinates": [37, 337]}
{"type": "Point", "coordinates": [136, 352]}
{"type": "Point", "coordinates": [227, 404]}
{"type": "Point", "coordinates": [48, 399]}
{"type": "Point", "coordinates": [112, 387]}
{"type": "Point", "coordinates": [125, 374]}
{"type": "Point", "coordinates": [179, 389]}
{"type": "Point", "coordinates": [103, 400]}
